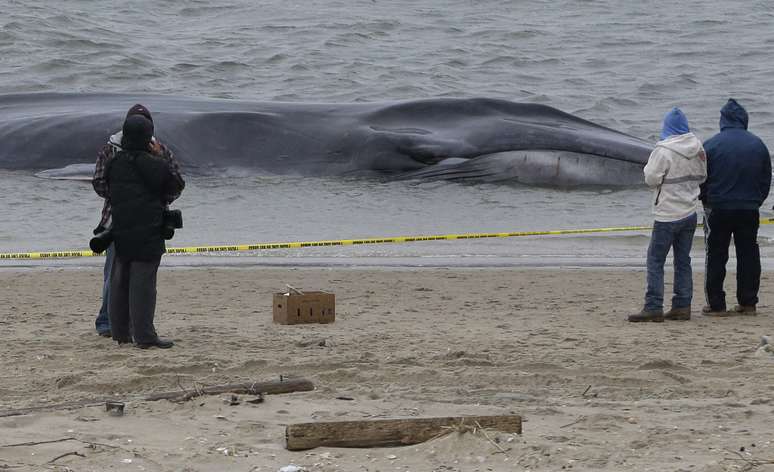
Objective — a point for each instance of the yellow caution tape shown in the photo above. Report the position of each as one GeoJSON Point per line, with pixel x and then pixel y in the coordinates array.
{"type": "Point", "coordinates": [341, 242]}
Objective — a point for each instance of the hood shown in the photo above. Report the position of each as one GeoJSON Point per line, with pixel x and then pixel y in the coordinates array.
{"type": "Point", "coordinates": [733, 115]}
{"type": "Point", "coordinates": [675, 123]}
{"type": "Point", "coordinates": [115, 140]}
{"type": "Point", "coordinates": [686, 145]}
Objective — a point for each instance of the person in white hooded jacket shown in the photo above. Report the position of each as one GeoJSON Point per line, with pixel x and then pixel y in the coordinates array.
{"type": "Point", "coordinates": [675, 170]}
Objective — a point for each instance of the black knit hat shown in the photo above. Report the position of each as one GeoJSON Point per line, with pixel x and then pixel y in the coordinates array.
{"type": "Point", "coordinates": [137, 133]}
{"type": "Point", "coordinates": [140, 110]}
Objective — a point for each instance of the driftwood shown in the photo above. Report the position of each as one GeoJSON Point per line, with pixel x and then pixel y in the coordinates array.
{"type": "Point", "coordinates": [384, 433]}
{"type": "Point", "coordinates": [252, 388]}
{"type": "Point", "coordinates": [74, 453]}
{"type": "Point", "coordinates": [51, 441]}
{"type": "Point", "coordinates": [52, 406]}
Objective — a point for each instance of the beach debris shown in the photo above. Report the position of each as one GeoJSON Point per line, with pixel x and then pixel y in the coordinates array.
{"type": "Point", "coordinates": [747, 458]}
{"type": "Point", "coordinates": [391, 432]}
{"type": "Point", "coordinates": [114, 408]}
{"type": "Point", "coordinates": [258, 399]}
{"type": "Point", "coordinates": [321, 342]}
{"type": "Point", "coordinates": [284, 385]}
{"type": "Point", "coordinates": [293, 289]}
{"type": "Point", "coordinates": [344, 397]}
{"type": "Point", "coordinates": [86, 419]}
{"type": "Point", "coordinates": [292, 468]}
{"type": "Point", "coordinates": [74, 453]}
{"type": "Point", "coordinates": [232, 400]}
{"type": "Point", "coordinates": [765, 348]}
{"type": "Point", "coordinates": [580, 418]}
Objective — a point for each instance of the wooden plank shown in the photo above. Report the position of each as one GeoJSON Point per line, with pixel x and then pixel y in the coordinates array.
{"type": "Point", "coordinates": [389, 432]}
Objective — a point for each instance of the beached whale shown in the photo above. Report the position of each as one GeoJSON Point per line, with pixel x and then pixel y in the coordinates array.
{"type": "Point", "coordinates": [476, 139]}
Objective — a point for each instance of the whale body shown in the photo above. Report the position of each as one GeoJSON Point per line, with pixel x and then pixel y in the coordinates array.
{"type": "Point", "coordinates": [475, 139]}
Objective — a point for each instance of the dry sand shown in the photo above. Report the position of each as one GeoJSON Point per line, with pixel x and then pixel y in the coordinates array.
{"type": "Point", "coordinates": [596, 392]}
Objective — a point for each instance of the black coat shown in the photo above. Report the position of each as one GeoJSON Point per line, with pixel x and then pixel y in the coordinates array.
{"type": "Point", "coordinates": [738, 164]}
{"type": "Point", "coordinates": [137, 181]}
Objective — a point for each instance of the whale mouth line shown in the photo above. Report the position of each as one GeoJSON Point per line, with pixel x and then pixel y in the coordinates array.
{"type": "Point", "coordinates": [533, 166]}
{"type": "Point", "coordinates": [453, 160]}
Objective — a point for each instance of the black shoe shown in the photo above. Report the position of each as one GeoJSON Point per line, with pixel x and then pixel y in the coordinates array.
{"type": "Point", "coordinates": [160, 343]}
{"type": "Point", "coordinates": [716, 312]}
{"type": "Point", "coordinates": [745, 310]}
{"type": "Point", "coordinates": [123, 340]}
{"type": "Point", "coordinates": [105, 334]}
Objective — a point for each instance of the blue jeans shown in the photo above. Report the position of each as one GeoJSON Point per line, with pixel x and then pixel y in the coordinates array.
{"type": "Point", "coordinates": [103, 321]}
{"type": "Point", "coordinates": [677, 235]}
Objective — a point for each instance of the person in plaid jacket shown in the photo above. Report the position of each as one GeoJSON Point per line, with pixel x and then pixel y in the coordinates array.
{"type": "Point", "coordinates": [100, 184]}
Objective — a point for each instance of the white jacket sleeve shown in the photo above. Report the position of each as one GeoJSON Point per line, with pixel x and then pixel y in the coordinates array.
{"type": "Point", "coordinates": [657, 167]}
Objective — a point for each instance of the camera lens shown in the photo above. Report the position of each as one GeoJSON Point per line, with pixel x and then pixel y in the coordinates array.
{"type": "Point", "coordinates": [101, 241]}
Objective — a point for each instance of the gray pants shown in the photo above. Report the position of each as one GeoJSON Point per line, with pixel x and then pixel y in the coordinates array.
{"type": "Point", "coordinates": [133, 300]}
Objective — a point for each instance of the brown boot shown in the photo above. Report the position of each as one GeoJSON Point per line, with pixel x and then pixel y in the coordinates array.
{"type": "Point", "coordinates": [709, 311]}
{"type": "Point", "coordinates": [745, 310]}
{"type": "Point", "coordinates": [678, 314]}
{"type": "Point", "coordinates": [645, 316]}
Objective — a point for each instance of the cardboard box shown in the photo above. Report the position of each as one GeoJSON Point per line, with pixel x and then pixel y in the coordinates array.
{"type": "Point", "coordinates": [306, 307]}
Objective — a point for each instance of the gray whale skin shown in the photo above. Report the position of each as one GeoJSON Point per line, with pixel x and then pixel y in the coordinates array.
{"type": "Point", "coordinates": [475, 139]}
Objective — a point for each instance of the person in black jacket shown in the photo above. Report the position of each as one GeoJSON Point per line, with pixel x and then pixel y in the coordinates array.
{"type": "Point", "coordinates": [100, 184]}
{"type": "Point", "coordinates": [138, 181]}
{"type": "Point", "coordinates": [738, 181]}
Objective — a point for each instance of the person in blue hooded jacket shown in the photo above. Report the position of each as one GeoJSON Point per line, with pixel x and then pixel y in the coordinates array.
{"type": "Point", "coordinates": [675, 170]}
{"type": "Point", "coordinates": [738, 181]}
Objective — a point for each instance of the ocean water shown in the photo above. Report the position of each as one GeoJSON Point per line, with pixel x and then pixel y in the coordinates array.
{"type": "Point", "coordinates": [619, 64]}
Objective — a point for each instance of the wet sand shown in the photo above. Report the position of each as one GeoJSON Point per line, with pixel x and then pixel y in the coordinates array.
{"type": "Point", "coordinates": [596, 392]}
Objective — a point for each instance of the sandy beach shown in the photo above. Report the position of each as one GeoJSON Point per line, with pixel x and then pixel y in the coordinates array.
{"type": "Point", "coordinates": [595, 392]}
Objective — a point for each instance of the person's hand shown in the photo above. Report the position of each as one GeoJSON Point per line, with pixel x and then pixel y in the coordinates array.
{"type": "Point", "coordinates": [155, 147]}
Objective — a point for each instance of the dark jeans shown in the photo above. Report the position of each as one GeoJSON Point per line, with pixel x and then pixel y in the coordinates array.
{"type": "Point", "coordinates": [102, 322]}
{"type": "Point", "coordinates": [677, 235]}
{"type": "Point", "coordinates": [133, 299]}
{"type": "Point", "coordinates": [719, 226]}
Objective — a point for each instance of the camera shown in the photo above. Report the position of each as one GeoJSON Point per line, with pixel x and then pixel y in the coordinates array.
{"type": "Point", "coordinates": [103, 237]}
{"type": "Point", "coordinates": [173, 219]}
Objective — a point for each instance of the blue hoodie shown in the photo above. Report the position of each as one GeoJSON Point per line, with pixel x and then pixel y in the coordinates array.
{"type": "Point", "coordinates": [738, 164]}
{"type": "Point", "coordinates": [675, 123]}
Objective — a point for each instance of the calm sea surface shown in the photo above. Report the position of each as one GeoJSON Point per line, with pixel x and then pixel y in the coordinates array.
{"type": "Point", "coordinates": [620, 64]}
